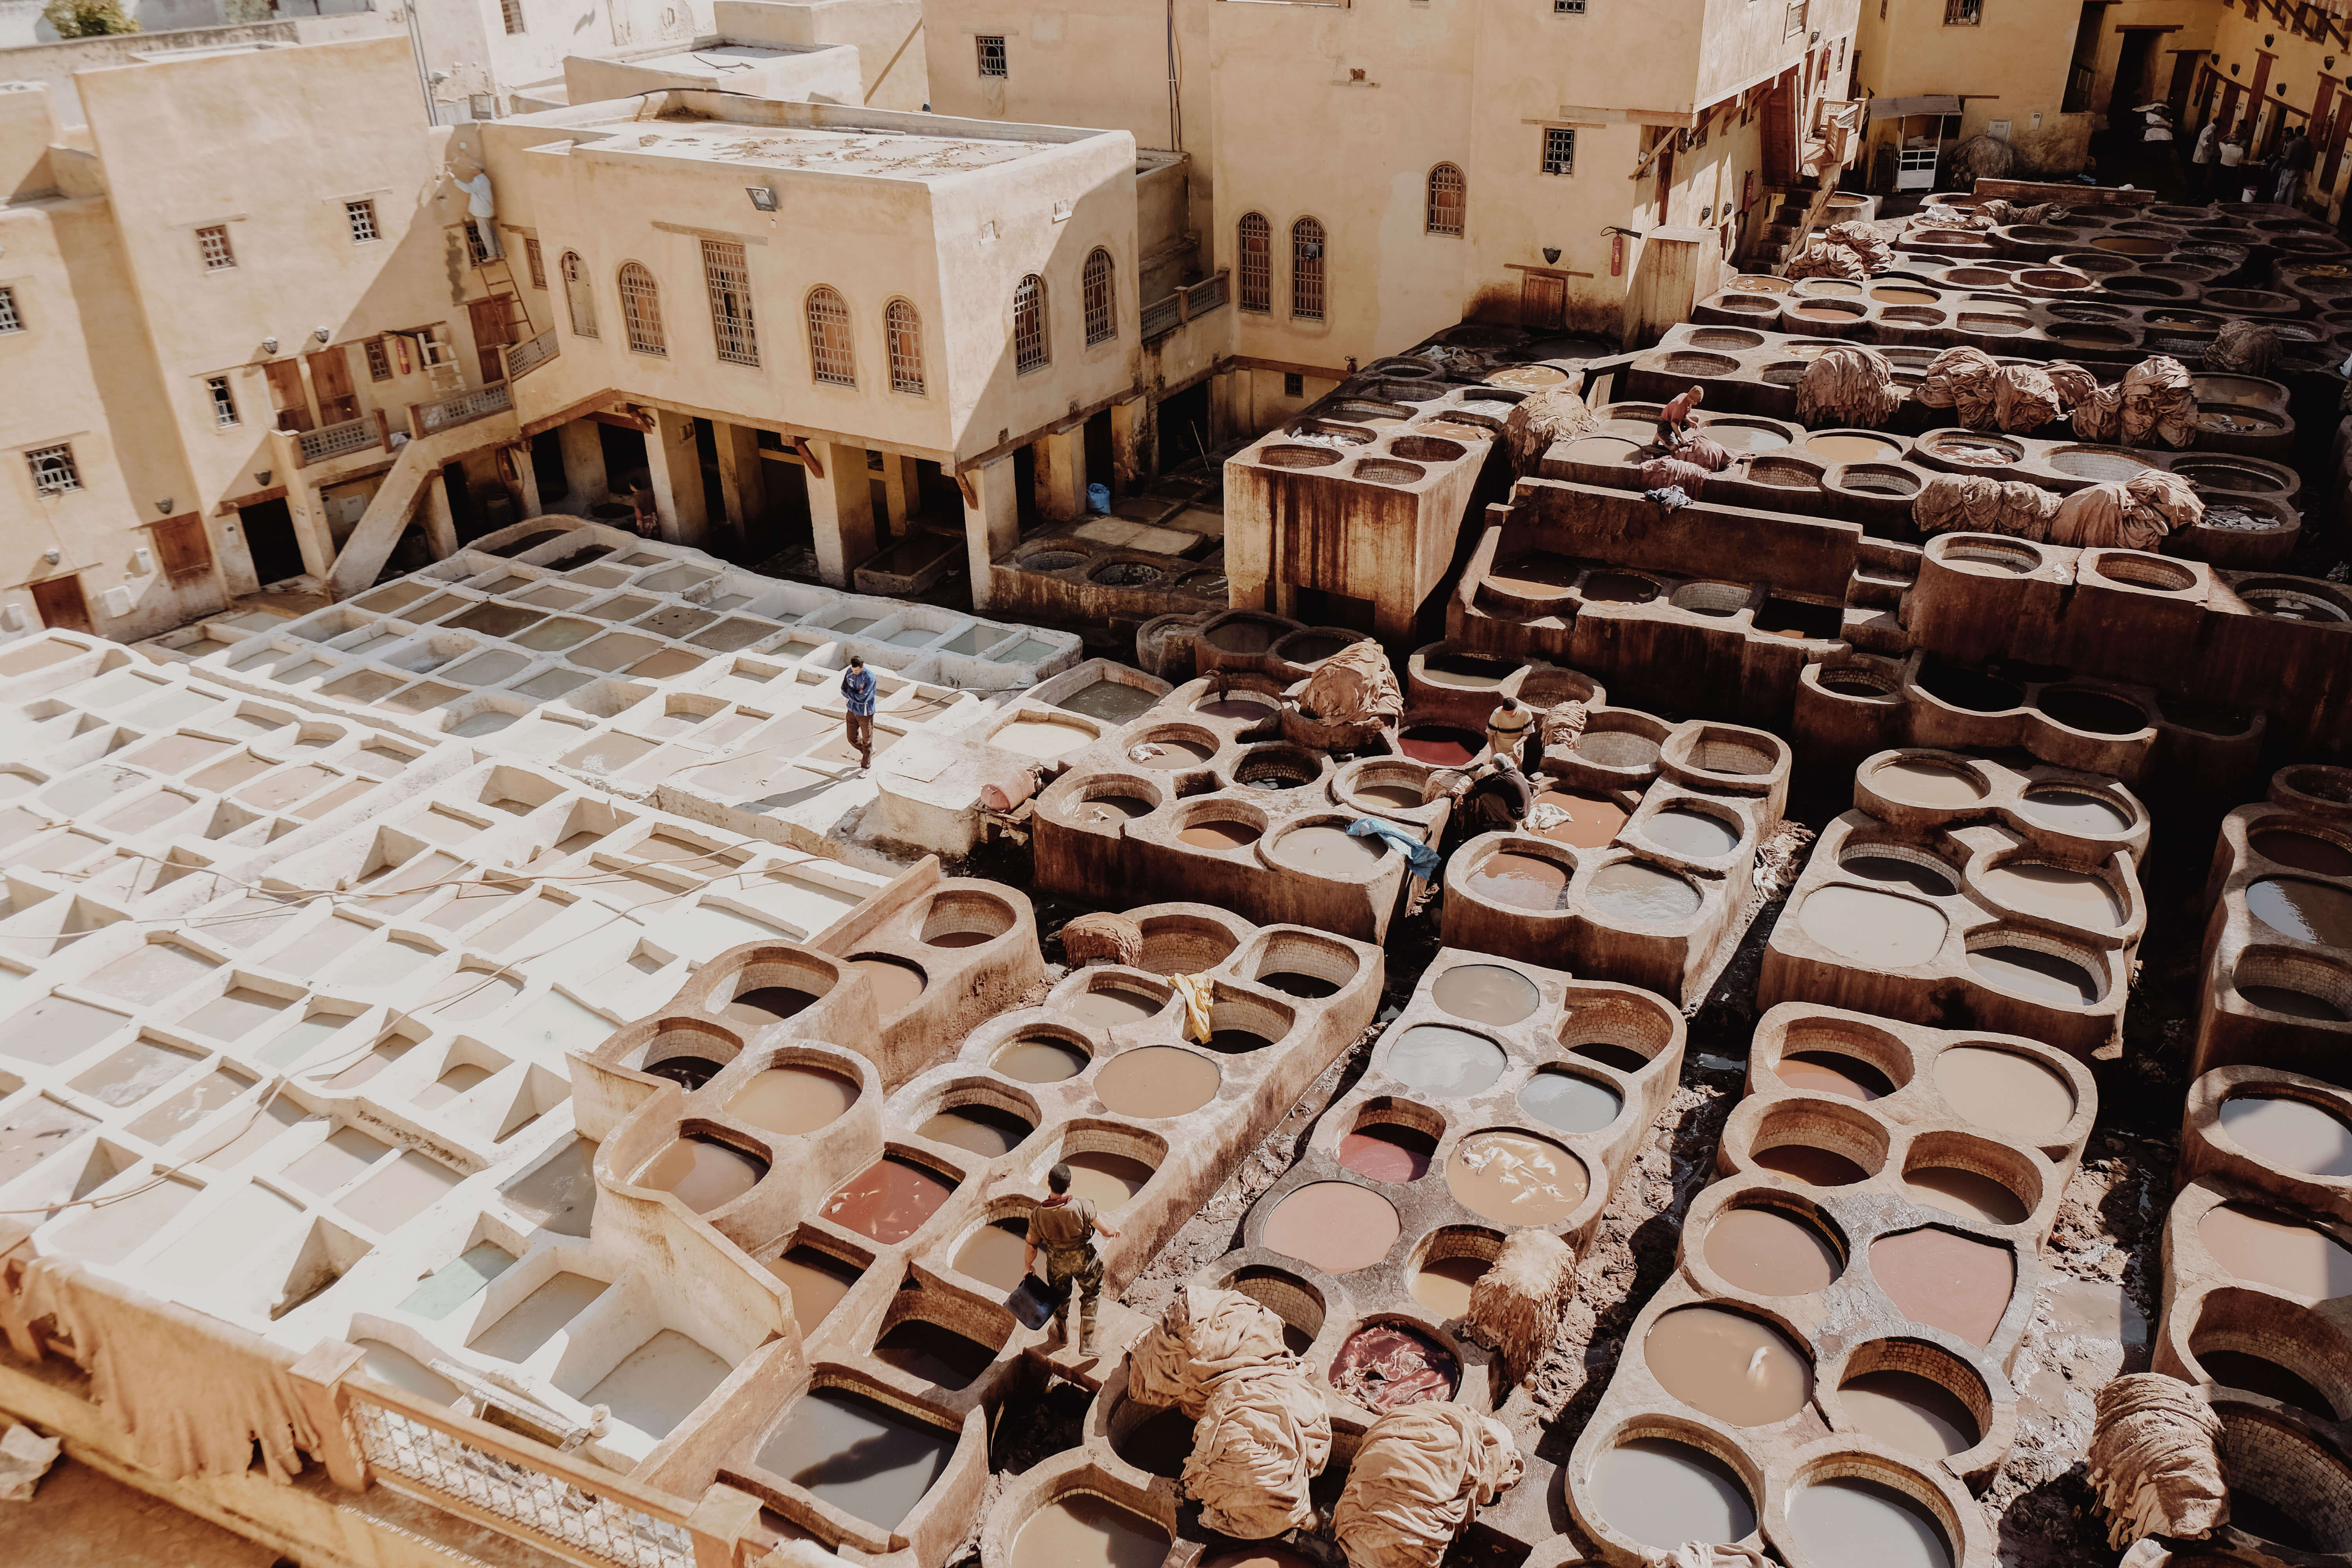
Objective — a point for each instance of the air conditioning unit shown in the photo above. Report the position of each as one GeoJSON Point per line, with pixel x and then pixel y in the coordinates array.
{"type": "Point", "coordinates": [115, 602]}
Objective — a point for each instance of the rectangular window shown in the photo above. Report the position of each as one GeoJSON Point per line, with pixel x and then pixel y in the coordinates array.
{"type": "Point", "coordinates": [1963, 13]}
{"type": "Point", "coordinates": [53, 473]}
{"type": "Point", "coordinates": [211, 245]}
{"type": "Point", "coordinates": [511, 12]}
{"type": "Point", "coordinates": [1294, 385]}
{"type": "Point", "coordinates": [1568, 7]}
{"type": "Point", "coordinates": [475, 246]}
{"type": "Point", "coordinates": [992, 53]}
{"type": "Point", "coordinates": [10, 321]}
{"type": "Point", "coordinates": [1558, 150]}
{"type": "Point", "coordinates": [729, 280]}
{"type": "Point", "coordinates": [223, 401]}
{"type": "Point", "coordinates": [538, 263]}
{"type": "Point", "coordinates": [379, 362]}
{"type": "Point", "coordinates": [361, 215]}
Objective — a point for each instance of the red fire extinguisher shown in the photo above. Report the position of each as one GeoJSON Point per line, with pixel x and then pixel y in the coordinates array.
{"type": "Point", "coordinates": [1616, 256]}
{"type": "Point", "coordinates": [401, 344]}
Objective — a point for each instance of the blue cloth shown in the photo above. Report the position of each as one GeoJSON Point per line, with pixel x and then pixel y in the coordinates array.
{"type": "Point", "coordinates": [1419, 856]}
{"type": "Point", "coordinates": [858, 685]}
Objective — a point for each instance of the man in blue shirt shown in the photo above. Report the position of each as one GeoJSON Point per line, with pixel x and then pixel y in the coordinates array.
{"type": "Point", "coordinates": [857, 689]}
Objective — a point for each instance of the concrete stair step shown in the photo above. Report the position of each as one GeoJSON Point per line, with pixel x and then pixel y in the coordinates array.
{"type": "Point", "coordinates": [1870, 628]}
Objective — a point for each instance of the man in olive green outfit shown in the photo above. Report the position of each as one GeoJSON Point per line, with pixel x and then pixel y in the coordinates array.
{"type": "Point", "coordinates": [1066, 1227]}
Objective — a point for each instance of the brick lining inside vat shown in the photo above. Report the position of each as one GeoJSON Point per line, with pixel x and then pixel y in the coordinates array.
{"type": "Point", "coordinates": [1354, 434]}
{"type": "Point", "coordinates": [1977, 321]}
{"type": "Point", "coordinates": [1726, 338]}
{"type": "Point", "coordinates": [1879, 479]}
{"type": "Point", "coordinates": [1425, 449]}
{"type": "Point", "coordinates": [1912, 316]}
{"type": "Point", "coordinates": [2097, 463]}
{"type": "Point", "coordinates": [1383, 471]}
{"type": "Point", "coordinates": [2145, 571]}
{"type": "Point", "coordinates": [1297, 457]}
{"type": "Point", "coordinates": [1699, 364]}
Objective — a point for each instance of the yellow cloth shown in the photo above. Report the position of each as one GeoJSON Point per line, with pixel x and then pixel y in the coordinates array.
{"type": "Point", "coordinates": [1198, 992]}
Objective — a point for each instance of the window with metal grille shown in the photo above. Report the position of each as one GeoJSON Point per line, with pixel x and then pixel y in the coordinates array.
{"type": "Point", "coordinates": [1962, 13]}
{"type": "Point", "coordinates": [1447, 189]}
{"type": "Point", "coordinates": [1256, 284]}
{"type": "Point", "coordinates": [1030, 349]}
{"type": "Point", "coordinates": [10, 320]}
{"type": "Point", "coordinates": [1558, 150]}
{"type": "Point", "coordinates": [832, 359]}
{"type": "Point", "coordinates": [729, 278]}
{"type": "Point", "coordinates": [510, 12]}
{"type": "Point", "coordinates": [1293, 385]}
{"type": "Point", "coordinates": [53, 469]}
{"type": "Point", "coordinates": [1306, 270]}
{"type": "Point", "coordinates": [1102, 309]}
{"type": "Point", "coordinates": [477, 247]}
{"type": "Point", "coordinates": [1568, 7]}
{"type": "Point", "coordinates": [578, 295]}
{"type": "Point", "coordinates": [904, 329]}
{"type": "Point", "coordinates": [213, 248]}
{"type": "Point", "coordinates": [223, 401]}
{"type": "Point", "coordinates": [538, 263]}
{"type": "Point", "coordinates": [379, 362]}
{"type": "Point", "coordinates": [361, 215]}
{"type": "Point", "coordinates": [992, 53]}
{"type": "Point", "coordinates": [641, 311]}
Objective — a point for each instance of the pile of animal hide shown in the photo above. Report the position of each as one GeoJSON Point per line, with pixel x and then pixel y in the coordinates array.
{"type": "Point", "coordinates": [2155, 403]}
{"type": "Point", "coordinates": [1352, 686]}
{"type": "Point", "coordinates": [1848, 386]}
{"type": "Point", "coordinates": [1422, 1474]}
{"type": "Point", "coordinates": [2155, 1461]}
{"type": "Point", "coordinates": [1535, 421]}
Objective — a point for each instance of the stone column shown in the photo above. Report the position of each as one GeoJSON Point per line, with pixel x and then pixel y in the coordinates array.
{"type": "Point", "coordinates": [742, 477]}
{"type": "Point", "coordinates": [992, 522]}
{"type": "Point", "coordinates": [440, 523]}
{"type": "Point", "coordinates": [1128, 428]}
{"type": "Point", "coordinates": [841, 511]}
{"type": "Point", "coordinates": [1062, 475]}
{"type": "Point", "coordinates": [527, 481]}
{"type": "Point", "coordinates": [900, 488]}
{"type": "Point", "coordinates": [584, 463]}
{"type": "Point", "coordinates": [677, 474]}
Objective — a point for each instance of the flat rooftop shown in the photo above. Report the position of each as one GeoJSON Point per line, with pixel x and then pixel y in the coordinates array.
{"type": "Point", "coordinates": [881, 154]}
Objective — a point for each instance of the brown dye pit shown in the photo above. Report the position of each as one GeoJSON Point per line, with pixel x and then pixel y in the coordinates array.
{"type": "Point", "coordinates": [1440, 745]}
{"type": "Point", "coordinates": [1157, 1081]}
{"type": "Point", "coordinates": [985, 1130]}
{"type": "Point", "coordinates": [1851, 448]}
{"type": "Point", "coordinates": [2305, 911]}
{"type": "Point", "coordinates": [1106, 1179]}
{"type": "Point", "coordinates": [1329, 851]}
{"type": "Point", "coordinates": [1915, 1413]}
{"type": "Point", "coordinates": [1308, 987]}
{"type": "Point", "coordinates": [1222, 835]}
{"type": "Point", "coordinates": [701, 1172]}
{"type": "Point", "coordinates": [1387, 1366]}
{"type": "Point", "coordinates": [2294, 1003]}
{"type": "Point", "coordinates": [1522, 881]}
{"type": "Point", "coordinates": [1632, 893]}
{"type": "Point", "coordinates": [766, 1004]}
{"type": "Point", "coordinates": [792, 1099]}
{"type": "Point", "coordinates": [1968, 1194]}
{"type": "Point", "coordinates": [1240, 708]}
{"type": "Point", "coordinates": [1946, 1280]}
{"type": "Point", "coordinates": [996, 1254]}
{"type": "Point", "coordinates": [817, 1281]}
{"type": "Point", "coordinates": [1444, 1284]}
{"type": "Point", "coordinates": [1044, 1059]}
{"type": "Point", "coordinates": [1770, 1252]}
{"type": "Point", "coordinates": [1622, 587]}
{"type": "Point", "coordinates": [2009, 1093]}
{"type": "Point", "coordinates": [890, 1199]}
{"type": "Point", "coordinates": [2030, 973]}
{"type": "Point", "coordinates": [896, 983]}
{"type": "Point", "coordinates": [1514, 1179]}
{"type": "Point", "coordinates": [1810, 1167]}
{"type": "Point", "coordinates": [1158, 1445]}
{"type": "Point", "coordinates": [1833, 1072]}
{"type": "Point", "coordinates": [2070, 898]}
{"type": "Point", "coordinates": [1388, 1153]}
{"type": "Point", "coordinates": [1592, 819]}
{"type": "Point", "coordinates": [937, 1355]}
{"type": "Point", "coordinates": [1870, 927]}
{"type": "Point", "coordinates": [2304, 852]}
{"type": "Point", "coordinates": [1661, 1493]}
{"type": "Point", "coordinates": [1338, 1227]}
{"type": "Point", "coordinates": [1849, 1522]}
{"type": "Point", "coordinates": [2070, 811]}
{"type": "Point", "coordinates": [2237, 1369]}
{"type": "Point", "coordinates": [1735, 1368]}
{"type": "Point", "coordinates": [687, 1072]}
{"type": "Point", "coordinates": [869, 1459]}
{"type": "Point", "coordinates": [1485, 993]}
{"type": "Point", "coordinates": [1692, 833]}
{"type": "Point", "coordinates": [1107, 1006]}
{"type": "Point", "coordinates": [1926, 783]}
{"type": "Point", "coordinates": [1083, 1531]}
{"type": "Point", "coordinates": [1171, 754]}
{"type": "Point", "coordinates": [2292, 1134]}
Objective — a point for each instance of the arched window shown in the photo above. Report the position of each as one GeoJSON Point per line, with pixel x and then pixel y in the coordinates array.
{"type": "Point", "coordinates": [1306, 270]}
{"type": "Point", "coordinates": [1446, 199]}
{"type": "Point", "coordinates": [1030, 349]}
{"type": "Point", "coordinates": [1102, 310]}
{"type": "Point", "coordinates": [641, 311]}
{"type": "Point", "coordinates": [831, 359]}
{"type": "Point", "coordinates": [904, 329]}
{"type": "Point", "coordinates": [1256, 263]}
{"type": "Point", "coordinates": [578, 294]}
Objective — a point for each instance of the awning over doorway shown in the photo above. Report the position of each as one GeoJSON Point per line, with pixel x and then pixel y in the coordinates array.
{"type": "Point", "coordinates": [1904, 108]}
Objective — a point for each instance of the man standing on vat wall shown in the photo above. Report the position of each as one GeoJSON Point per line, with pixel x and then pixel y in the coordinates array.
{"type": "Point", "coordinates": [857, 690]}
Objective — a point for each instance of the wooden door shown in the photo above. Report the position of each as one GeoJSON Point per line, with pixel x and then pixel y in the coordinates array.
{"type": "Point", "coordinates": [286, 394]}
{"type": "Point", "coordinates": [330, 378]}
{"type": "Point", "coordinates": [493, 330]}
{"type": "Point", "coordinates": [1543, 301]}
{"type": "Point", "coordinates": [61, 604]}
{"type": "Point", "coordinates": [184, 548]}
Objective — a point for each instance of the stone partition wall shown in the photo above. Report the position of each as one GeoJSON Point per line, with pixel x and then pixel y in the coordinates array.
{"type": "Point", "coordinates": [1959, 888]}
{"type": "Point", "coordinates": [2278, 939]}
{"type": "Point", "coordinates": [1850, 1295]}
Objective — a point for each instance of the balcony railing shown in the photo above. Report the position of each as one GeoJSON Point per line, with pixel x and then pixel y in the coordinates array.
{"type": "Point", "coordinates": [524, 358]}
{"type": "Point", "coordinates": [1188, 302]}
{"type": "Point", "coordinates": [340, 440]}
{"type": "Point", "coordinates": [464, 408]}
